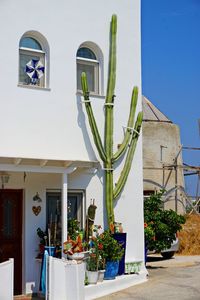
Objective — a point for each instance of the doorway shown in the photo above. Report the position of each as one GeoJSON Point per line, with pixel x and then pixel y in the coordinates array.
{"type": "Point", "coordinates": [11, 212]}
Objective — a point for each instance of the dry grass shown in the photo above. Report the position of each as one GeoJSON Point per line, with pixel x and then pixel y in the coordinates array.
{"type": "Point", "coordinates": [189, 236]}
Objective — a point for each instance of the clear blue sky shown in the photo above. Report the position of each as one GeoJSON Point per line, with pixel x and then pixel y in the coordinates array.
{"type": "Point", "coordinates": [171, 67]}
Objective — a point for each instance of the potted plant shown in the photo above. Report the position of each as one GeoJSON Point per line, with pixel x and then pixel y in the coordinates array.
{"type": "Point", "coordinates": [117, 233]}
{"type": "Point", "coordinates": [92, 267]}
{"type": "Point", "coordinates": [96, 260]}
{"type": "Point", "coordinates": [75, 247]}
{"type": "Point", "coordinates": [112, 253]}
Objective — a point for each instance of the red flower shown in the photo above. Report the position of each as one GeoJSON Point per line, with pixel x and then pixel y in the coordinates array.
{"type": "Point", "coordinates": [100, 246]}
{"type": "Point", "coordinates": [145, 225]}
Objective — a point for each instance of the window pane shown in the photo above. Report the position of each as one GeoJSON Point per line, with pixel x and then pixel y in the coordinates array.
{"type": "Point", "coordinates": [23, 77]}
{"type": "Point", "coordinates": [86, 53]}
{"type": "Point", "coordinates": [53, 209]}
{"type": "Point", "coordinates": [74, 206]}
{"type": "Point", "coordinates": [53, 213]}
{"type": "Point", "coordinates": [31, 43]}
{"type": "Point", "coordinates": [90, 72]}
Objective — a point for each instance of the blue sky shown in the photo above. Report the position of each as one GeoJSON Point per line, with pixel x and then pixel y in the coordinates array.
{"type": "Point", "coordinates": [171, 67]}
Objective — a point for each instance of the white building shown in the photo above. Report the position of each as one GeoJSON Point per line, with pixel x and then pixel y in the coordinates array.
{"type": "Point", "coordinates": [46, 143]}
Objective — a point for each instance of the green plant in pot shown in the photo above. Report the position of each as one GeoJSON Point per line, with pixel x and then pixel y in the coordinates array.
{"type": "Point", "coordinates": [92, 267]}
{"type": "Point", "coordinates": [112, 253]}
{"type": "Point", "coordinates": [96, 260]}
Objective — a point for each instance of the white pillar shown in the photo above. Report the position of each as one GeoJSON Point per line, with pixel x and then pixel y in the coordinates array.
{"type": "Point", "coordinates": [64, 209]}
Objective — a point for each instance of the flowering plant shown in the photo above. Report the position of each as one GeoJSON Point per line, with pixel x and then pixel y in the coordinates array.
{"type": "Point", "coordinates": [103, 247]}
{"type": "Point", "coordinates": [107, 247]}
{"type": "Point", "coordinates": [96, 260]}
{"type": "Point", "coordinates": [73, 246]}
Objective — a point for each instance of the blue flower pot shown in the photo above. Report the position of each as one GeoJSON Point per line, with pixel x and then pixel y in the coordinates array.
{"type": "Point", "coordinates": [111, 269]}
{"type": "Point", "coordinates": [121, 239]}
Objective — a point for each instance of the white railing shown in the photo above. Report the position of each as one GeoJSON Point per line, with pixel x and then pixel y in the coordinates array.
{"type": "Point", "coordinates": [6, 279]}
{"type": "Point", "coordinates": [65, 280]}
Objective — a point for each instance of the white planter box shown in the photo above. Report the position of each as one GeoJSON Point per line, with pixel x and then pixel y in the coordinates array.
{"type": "Point", "coordinates": [65, 280]}
{"type": "Point", "coordinates": [6, 275]}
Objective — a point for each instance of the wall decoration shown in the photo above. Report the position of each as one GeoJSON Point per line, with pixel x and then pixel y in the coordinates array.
{"type": "Point", "coordinates": [36, 210]}
{"type": "Point", "coordinates": [37, 198]}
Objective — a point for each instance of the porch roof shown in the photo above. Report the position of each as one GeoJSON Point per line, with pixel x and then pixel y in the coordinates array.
{"type": "Point", "coordinates": [41, 165]}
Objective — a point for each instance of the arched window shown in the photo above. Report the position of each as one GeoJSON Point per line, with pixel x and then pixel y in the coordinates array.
{"type": "Point", "coordinates": [88, 62]}
{"type": "Point", "coordinates": [32, 69]}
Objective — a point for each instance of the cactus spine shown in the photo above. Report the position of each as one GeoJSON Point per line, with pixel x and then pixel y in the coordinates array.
{"type": "Point", "coordinates": [131, 134]}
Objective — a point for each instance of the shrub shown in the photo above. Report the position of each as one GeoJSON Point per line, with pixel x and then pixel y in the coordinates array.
{"type": "Point", "coordinates": [161, 225]}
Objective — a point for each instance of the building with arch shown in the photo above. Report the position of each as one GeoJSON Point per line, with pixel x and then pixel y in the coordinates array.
{"type": "Point", "coordinates": [48, 161]}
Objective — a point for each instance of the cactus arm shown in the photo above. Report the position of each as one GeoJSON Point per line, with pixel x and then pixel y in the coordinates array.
{"type": "Point", "coordinates": [127, 166]}
{"type": "Point", "coordinates": [108, 138]}
{"type": "Point", "coordinates": [92, 122]}
{"type": "Point", "coordinates": [128, 132]}
{"type": "Point", "coordinates": [112, 60]}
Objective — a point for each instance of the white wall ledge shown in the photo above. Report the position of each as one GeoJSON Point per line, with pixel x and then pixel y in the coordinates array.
{"type": "Point", "coordinates": [107, 287]}
{"type": "Point", "coordinates": [33, 87]}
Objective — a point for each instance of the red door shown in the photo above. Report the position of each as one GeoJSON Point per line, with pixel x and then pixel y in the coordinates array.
{"type": "Point", "coordinates": [11, 232]}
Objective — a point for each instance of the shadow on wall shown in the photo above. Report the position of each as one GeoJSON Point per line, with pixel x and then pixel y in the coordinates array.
{"type": "Point", "coordinates": [82, 125]}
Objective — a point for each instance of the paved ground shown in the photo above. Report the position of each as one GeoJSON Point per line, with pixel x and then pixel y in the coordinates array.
{"type": "Point", "coordinates": [173, 279]}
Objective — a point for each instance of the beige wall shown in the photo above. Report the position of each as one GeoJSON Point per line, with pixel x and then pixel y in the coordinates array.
{"type": "Point", "coordinates": [155, 158]}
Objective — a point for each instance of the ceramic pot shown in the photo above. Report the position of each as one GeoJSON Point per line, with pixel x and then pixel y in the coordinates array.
{"type": "Point", "coordinates": [121, 239]}
{"type": "Point", "coordinates": [92, 276]}
{"type": "Point", "coordinates": [111, 269]}
{"type": "Point", "coordinates": [101, 275]}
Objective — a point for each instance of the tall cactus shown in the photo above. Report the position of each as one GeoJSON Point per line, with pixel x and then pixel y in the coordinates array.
{"type": "Point", "coordinates": [131, 133]}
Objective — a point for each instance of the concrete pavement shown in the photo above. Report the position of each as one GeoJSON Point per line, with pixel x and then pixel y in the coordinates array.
{"type": "Point", "coordinates": [172, 279]}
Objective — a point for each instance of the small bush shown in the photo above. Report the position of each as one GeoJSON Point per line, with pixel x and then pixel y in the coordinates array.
{"type": "Point", "coordinates": [161, 225]}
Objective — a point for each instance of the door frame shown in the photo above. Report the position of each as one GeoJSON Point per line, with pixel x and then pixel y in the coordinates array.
{"type": "Point", "coordinates": [22, 259]}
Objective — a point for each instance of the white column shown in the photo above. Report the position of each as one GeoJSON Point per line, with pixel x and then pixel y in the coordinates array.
{"type": "Point", "coordinates": [64, 209]}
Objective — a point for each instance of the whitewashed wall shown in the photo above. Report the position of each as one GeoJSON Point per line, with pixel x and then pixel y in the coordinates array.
{"type": "Point", "coordinates": [32, 117]}
{"type": "Point", "coordinates": [51, 123]}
